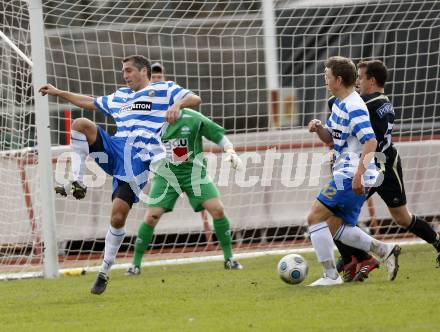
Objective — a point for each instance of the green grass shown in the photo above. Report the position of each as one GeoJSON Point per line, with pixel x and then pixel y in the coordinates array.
{"type": "Point", "coordinates": [204, 297]}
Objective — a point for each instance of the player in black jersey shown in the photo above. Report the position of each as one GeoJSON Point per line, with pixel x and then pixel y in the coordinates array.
{"type": "Point", "coordinates": [372, 76]}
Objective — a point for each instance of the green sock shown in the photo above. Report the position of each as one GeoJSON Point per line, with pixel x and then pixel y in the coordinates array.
{"type": "Point", "coordinates": [223, 233]}
{"type": "Point", "coordinates": [145, 234]}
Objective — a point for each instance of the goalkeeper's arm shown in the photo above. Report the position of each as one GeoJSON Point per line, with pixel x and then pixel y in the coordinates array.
{"type": "Point", "coordinates": [231, 155]}
{"type": "Point", "coordinates": [81, 101]}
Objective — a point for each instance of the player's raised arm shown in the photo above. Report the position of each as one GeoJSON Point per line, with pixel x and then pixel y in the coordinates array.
{"type": "Point", "coordinates": [81, 101]}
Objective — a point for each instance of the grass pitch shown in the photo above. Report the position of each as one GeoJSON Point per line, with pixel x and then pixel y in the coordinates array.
{"type": "Point", "coordinates": [205, 297]}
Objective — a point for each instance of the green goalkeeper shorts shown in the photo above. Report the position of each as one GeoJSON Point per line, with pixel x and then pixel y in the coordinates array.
{"type": "Point", "coordinates": [164, 195]}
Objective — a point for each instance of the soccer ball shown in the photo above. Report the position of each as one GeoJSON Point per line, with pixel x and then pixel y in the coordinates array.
{"type": "Point", "coordinates": [293, 268]}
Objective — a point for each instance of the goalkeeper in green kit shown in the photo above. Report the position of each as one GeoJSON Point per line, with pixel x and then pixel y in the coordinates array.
{"type": "Point", "coordinates": [185, 171]}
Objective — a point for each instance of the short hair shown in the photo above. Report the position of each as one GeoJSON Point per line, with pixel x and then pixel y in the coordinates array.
{"type": "Point", "coordinates": [376, 69]}
{"type": "Point", "coordinates": [344, 68]}
{"type": "Point", "coordinates": [157, 68]}
{"type": "Point", "coordinates": [139, 62]}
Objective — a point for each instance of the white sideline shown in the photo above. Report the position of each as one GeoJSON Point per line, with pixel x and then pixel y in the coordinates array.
{"type": "Point", "coordinates": [181, 261]}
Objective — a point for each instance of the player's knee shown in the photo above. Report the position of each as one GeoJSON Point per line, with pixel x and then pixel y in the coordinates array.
{"type": "Point", "coordinates": [311, 219]}
{"type": "Point", "coordinates": [403, 220]}
{"type": "Point", "coordinates": [401, 216]}
{"type": "Point", "coordinates": [84, 126]}
{"type": "Point", "coordinates": [152, 219]}
{"type": "Point", "coordinates": [118, 219]}
{"type": "Point", "coordinates": [217, 212]}
{"type": "Point", "coordinates": [80, 124]}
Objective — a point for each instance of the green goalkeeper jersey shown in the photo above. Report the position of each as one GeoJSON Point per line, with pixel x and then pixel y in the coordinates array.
{"type": "Point", "coordinates": [184, 141]}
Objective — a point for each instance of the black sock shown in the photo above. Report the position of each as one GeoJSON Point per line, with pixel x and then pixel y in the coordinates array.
{"type": "Point", "coordinates": [347, 251]}
{"type": "Point", "coordinates": [424, 231]}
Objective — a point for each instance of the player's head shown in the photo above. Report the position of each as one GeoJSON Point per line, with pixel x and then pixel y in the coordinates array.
{"type": "Point", "coordinates": [136, 70]}
{"type": "Point", "coordinates": [340, 73]}
{"type": "Point", "coordinates": [157, 72]}
{"type": "Point", "coordinates": [372, 76]}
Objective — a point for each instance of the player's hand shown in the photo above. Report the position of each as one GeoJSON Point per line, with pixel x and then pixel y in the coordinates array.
{"type": "Point", "coordinates": [173, 113]}
{"type": "Point", "coordinates": [49, 89]}
{"type": "Point", "coordinates": [314, 125]}
{"type": "Point", "coordinates": [231, 157]}
{"type": "Point", "coordinates": [357, 185]}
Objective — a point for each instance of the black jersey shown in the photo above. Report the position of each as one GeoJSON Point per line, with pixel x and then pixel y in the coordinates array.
{"type": "Point", "coordinates": [382, 120]}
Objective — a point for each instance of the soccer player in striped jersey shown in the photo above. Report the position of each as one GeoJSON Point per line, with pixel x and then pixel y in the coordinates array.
{"type": "Point", "coordinates": [337, 207]}
{"type": "Point", "coordinates": [185, 171]}
{"type": "Point", "coordinates": [140, 111]}
{"type": "Point", "coordinates": [372, 76]}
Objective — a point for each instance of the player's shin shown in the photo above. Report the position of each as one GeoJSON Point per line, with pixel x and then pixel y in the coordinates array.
{"type": "Point", "coordinates": [323, 244]}
{"type": "Point", "coordinates": [355, 237]}
{"type": "Point", "coordinates": [113, 241]}
{"type": "Point", "coordinates": [424, 231]}
{"type": "Point", "coordinates": [80, 150]}
{"type": "Point", "coordinates": [143, 240]}
{"type": "Point", "coordinates": [347, 252]}
{"type": "Point", "coordinates": [223, 233]}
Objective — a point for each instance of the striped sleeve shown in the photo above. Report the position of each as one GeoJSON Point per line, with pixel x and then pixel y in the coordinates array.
{"type": "Point", "coordinates": [360, 125]}
{"type": "Point", "coordinates": [177, 93]}
{"type": "Point", "coordinates": [102, 103]}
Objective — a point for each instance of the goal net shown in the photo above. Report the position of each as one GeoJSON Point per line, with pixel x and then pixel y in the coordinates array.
{"type": "Point", "coordinates": [259, 73]}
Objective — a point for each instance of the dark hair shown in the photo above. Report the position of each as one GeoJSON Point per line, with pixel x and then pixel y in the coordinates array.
{"type": "Point", "coordinates": [139, 62]}
{"type": "Point", "coordinates": [157, 68]}
{"type": "Point", "coordinates": [376, 69]}
{"type": "Point", "coordinates": [344, 68]}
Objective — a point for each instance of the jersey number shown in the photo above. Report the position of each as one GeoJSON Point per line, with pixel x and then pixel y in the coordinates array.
{"type": "Point", "coordinates": [329, 191]}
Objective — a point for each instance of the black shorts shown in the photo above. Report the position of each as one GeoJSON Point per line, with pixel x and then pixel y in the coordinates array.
{"type": "Point", "coordinates": [124, 192]}
{"type": "Point", "coordinates": [392, 190]}
{"type": "Point", "coordinates": [123, 189]}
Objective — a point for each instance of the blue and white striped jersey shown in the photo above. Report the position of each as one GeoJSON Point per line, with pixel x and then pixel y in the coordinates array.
{"type": "Point", "coordinates": [349, 124]}
{"type": "Point", "coordinates": [140, 115]}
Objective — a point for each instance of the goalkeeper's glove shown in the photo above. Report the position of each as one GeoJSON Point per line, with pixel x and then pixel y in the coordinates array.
{"type": "Point", "coordinates": [231, 157]}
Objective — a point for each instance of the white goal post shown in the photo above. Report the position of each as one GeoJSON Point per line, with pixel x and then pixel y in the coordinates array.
{"type": "Point", "coordinates": [259, 75]}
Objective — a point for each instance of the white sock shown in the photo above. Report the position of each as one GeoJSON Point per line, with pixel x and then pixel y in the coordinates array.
{"type": "Point", "coordinates": [80, 151]}
{"type": "Point", "coordinates": [322, 241]}
{"type": "Point", "coordinates": [113, 241]}
{"type": "Point", "coordinates": [357, 238]}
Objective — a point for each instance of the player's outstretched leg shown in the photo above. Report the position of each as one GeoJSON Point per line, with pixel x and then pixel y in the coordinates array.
{"type": "Point", "coordinates": [83, 131]}
{"type": "Point", "coordinates": [355, 237]}
{"type": "Point", "coordinates": [77, 190]}
{"type": "Point", "coordinates": [391, 261]}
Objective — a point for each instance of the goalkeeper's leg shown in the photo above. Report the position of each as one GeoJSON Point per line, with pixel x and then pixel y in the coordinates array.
{"type": "Point", "coordinates": [162, 198]}
{"type": "Point", "coordinates": [222, 230]}
{"type": "Point", "coordinates": [144, 237]}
